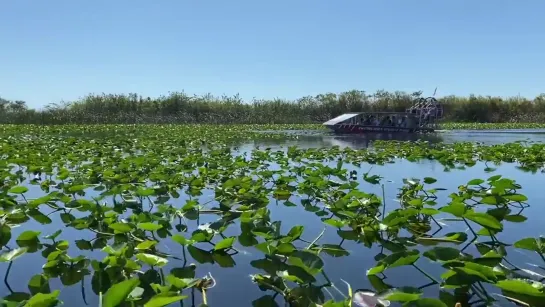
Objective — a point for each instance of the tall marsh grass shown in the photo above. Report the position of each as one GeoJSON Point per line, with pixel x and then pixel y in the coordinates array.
{"type": "Point", "coordinates": [179, 107]}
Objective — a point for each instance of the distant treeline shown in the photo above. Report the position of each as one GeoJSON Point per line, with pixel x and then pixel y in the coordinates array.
{"type": "Point", "coordinates": [183, 108]}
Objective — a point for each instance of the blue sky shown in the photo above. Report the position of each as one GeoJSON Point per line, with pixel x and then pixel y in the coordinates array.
{"type": "Point", "coordinates": [54, 50]}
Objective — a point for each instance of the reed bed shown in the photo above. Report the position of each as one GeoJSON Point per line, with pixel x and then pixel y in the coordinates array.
{"type": "Point", "coordinates": [181, 108]}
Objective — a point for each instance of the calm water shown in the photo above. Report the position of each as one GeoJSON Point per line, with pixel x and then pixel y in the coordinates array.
{"type": "Point", "coordinates": [234, 286]}
{"type": "Point", "coordinates": [313, 138]}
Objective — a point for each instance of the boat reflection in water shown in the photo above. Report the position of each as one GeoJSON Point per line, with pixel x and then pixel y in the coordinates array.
{"type": "Point", "coordinates": [366, 140]}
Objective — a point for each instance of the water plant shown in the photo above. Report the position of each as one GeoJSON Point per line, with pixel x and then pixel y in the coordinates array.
{"type": "Point", "coordinates": [151, 215]}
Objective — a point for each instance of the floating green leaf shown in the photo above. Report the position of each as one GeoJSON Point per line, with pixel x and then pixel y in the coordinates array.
{"type": "Point", "coordinates": [401, 258]}
{"type": "Point", "coordinates": [181, 240]}
{"type": "Point", "coordinates": [18, 190]}
{"type": "Point", "coordinates": [163, 300]}
{"type": "Point", "coordinates": [516, 218]}
{"type": "Point", "coordinates": [377, 269]}
{"type": "Point", "coordinates": [147, 226]}
{"type": "Point", "coordinates": [485, 220]}
{"type": "Point", "coordinates": [520, 286]}
{"type": "Point", "coordinates": [306, 260]}
{"type": "Point", "coordinates": [13, 254]}
{"type": "Point", "coordinates": [429, 180]}
{"type": "Point", "coordinates": [151, 259]}
{"type": "Point", "coordinates": [398, 296]}
{"type": "Point", "coordinates": [43, 299]}
{"type": "Point", "coordinates": [121, 227]}
{"type": "Point", "coordinates": [28, 235]}
{"type": "Point", "coordinates": [225, 243]}
{"type": "Point", "coordinates": [455, 208]}
{"type": "Point", "coordinates": [516, 197]}
{"type": "Point", "coordinates": [119, 292]}
{"type": "Point", "coordinates": [296, 232]}
{"type": "Point", "coordinates": [475, 182]}
{"type": "Point", "coordinates": [39, 283]}
{"type": "Point", "coordinates": [145, 245]}
{"type": "Point", "coordinates": [442, 253]}
{"type": "Point", "coordinates": [452, 237]}
{"type": "Point", "coordinates": [334, 222]}
{"type": "Point", "coordinates": [528, 243]}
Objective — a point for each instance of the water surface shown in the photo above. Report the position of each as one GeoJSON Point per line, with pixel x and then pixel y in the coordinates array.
{"type": "Point", "coordinates": [235, 287]}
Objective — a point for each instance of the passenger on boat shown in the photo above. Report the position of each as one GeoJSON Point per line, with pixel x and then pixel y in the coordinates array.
{"type": "Point", "coordinates": [395, 121]}
{"type": "Point", "coordinates": [388, 121]}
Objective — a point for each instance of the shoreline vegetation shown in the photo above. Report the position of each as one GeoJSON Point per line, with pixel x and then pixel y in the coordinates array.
{"type": "Point", "coordinates": [444, 126]}
{"type": "Point", "coordinates": [181, 108]}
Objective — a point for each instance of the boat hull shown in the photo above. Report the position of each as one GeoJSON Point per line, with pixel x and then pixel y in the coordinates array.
{"type": "Point", "coordinates": [350, 129]}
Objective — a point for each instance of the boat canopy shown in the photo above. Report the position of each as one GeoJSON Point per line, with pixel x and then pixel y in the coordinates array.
{"type": "Point", "coordinates": [340, 118]}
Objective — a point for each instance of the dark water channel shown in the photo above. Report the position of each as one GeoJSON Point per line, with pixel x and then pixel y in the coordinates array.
{"type": "Point", "coordinates": [234, 285]}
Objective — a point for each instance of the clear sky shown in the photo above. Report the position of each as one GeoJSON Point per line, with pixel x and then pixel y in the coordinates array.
{"type": "Point", "coordinates": [53, 50]}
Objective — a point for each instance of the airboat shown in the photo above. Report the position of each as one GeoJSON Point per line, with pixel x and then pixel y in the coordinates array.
{"type": "Point", "coordinates": [422, 116]}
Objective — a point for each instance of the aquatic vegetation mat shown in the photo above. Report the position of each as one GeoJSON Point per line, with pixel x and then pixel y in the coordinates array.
{"type": "Point", "coordinates": [119, 196]}
{"type": "Point", "coordinates": [490, 126]}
